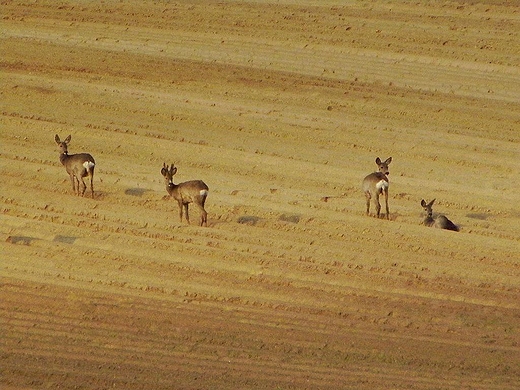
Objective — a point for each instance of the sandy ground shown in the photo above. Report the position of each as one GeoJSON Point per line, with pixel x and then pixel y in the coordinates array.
{"type": "Point", "coordinates": [281, 107]}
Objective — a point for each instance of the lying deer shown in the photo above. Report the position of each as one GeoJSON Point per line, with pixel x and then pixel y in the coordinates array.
{"type": "Point", "coordinates": [376, 184]}
{"type": "Point", "coordinates": [194, 191]}
{"type": "Point", "coordinates": [78, 166]}
{"type": "Point", "coordinates": [439, 221]}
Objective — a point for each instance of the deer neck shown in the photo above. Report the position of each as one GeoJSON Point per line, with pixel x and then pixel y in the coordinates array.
{"type": "Point", "coordinates": [381, 175]}
{"type": "Point", "coordinates": [429, 221]}
{"type": "Point", "coordinates": [63, 157]}
{"type": "Point", "coordinates": [171, 187]}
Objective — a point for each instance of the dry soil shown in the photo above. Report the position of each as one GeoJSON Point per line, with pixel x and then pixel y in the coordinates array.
{"type": "Point", "coordinates": [281, 107]}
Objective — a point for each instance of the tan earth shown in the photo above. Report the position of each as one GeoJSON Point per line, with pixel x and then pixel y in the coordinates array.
{"type": "Point", "coordinates": [281, 107]}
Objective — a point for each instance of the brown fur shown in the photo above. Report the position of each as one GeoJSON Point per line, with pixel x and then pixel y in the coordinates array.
{"type": "Point", "coordinates": [78, 166]}
{"type": "Point", "coordinates": [372, 186]}
{"type": "Point", "coordinates": [194, 191]}
{"type": "Point", "coordinates": [439, 221]}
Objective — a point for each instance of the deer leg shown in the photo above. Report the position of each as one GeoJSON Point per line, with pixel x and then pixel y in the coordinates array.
{"type": "Point", "coordinates": [204, 218]}
{"type": "Point", "coordinates": [72, 180]}
{"type": "Point", "coordinates": [92, 183]}
{"type": "Point", "coordinates": [386, 204]}
{"type": "Point", "coordinates": [377, 204]}
{"type": "Point", "coordinates": [187, 215]}
{"type": "Point", "coordinates": [367, 194]}
{"type": "Point", "coordinates": [180, 211]}
{"type": "Point", "coordinates": [83, 186]}
{"type": "Point", "coordinates": [203, 215]}
{"type": "Point", "coordinates": [76, 182]}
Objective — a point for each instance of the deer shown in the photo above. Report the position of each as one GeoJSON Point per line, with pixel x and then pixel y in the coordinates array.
{"type": "Point", "coordinates": [193, 191]}
{"type": "Point", "coordinates": [439, 221]}
{"type": "Point", "coordinates": [78, 166]}
{"type": "Point", "coordinates": [376, 184]}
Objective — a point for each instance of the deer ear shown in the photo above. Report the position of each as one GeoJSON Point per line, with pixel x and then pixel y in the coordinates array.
{"type": "Point", "coordinates": [173, 170]}
{"type": "Point", "coordinates": [423, 203]}
{"type": "Point", "coordinates": [431, 203]}
{"type": "Point", "coordinates": [67, 140]}
{"type": "Point", "coordinates": [388, 160]}
{"type": "Point", "coordinates": [57, 138]}
{"type": "Point", "coordinates": [163, 171]}
{"type": "Point", "coordinates": [378, 161]}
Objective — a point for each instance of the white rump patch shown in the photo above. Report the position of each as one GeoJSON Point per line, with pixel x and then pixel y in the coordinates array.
{"type": "Point", "coordinates": [203, 192]}
{"type": "Point", "coordinates": [88, 164]}
{"type": "Point", "coordinates": [382, 185]}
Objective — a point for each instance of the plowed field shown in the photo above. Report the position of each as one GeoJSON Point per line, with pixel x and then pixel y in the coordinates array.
{"type": "Point", "coordinates": [281, 107]}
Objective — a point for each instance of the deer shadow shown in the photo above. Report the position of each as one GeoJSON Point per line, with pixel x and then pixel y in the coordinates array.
{"type": "Point", "coordinates": [136, 191]}
{"type": "Point", "coordinates": [65, 239]}
{"type": "Point", "coordinates": [21, 240]}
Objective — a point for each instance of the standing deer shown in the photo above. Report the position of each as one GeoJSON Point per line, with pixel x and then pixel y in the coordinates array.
{"type": "Point", "coordinates": [193, 191]}
{"type": "Point", "coordinates": [439, 221]}
{"type": "Point", "coordinates": [376, 184]}
{"type": "Point", "coordinates": [78, 166]}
